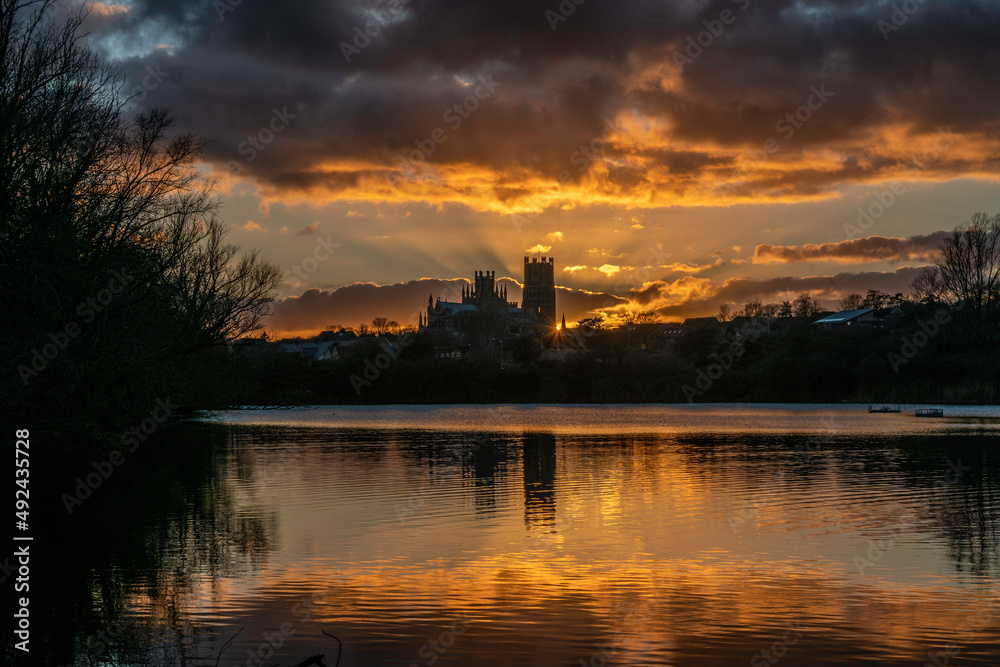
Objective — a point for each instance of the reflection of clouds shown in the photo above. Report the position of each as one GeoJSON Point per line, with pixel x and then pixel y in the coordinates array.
{"type": "Point", "coordinates": [599, 526]}
{"type": "Point", "coordinates": [709, 610]}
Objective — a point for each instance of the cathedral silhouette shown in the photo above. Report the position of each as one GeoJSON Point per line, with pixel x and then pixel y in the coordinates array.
{"type": "Point", "coordinates": [538, 303]}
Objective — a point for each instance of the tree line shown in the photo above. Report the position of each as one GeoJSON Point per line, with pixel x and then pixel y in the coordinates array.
{"type": "Point", "coordinates": [115, 273]}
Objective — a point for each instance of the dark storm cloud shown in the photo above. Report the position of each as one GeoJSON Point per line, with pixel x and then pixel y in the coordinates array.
{"type": "Point", "coordinates": [557, 87]}
{"type": "Point", "coordinates": [738, 289]}
{"type": "Point", "coordinates": [692, 296]}
{"type": "Point", "coordinates": [870, 249]}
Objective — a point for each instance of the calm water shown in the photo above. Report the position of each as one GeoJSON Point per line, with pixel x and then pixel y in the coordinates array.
{"type": "Point", "coordinates": [553, 535]}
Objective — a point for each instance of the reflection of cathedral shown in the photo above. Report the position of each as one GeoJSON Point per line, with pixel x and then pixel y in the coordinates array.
{"type": "Point", "coordinates": [539, 459]}
{"type": "Point", "coordinates": [484, 296]}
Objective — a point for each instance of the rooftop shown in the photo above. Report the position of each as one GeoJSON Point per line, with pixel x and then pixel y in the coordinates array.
{"type": "Point", "coordinates": [844, 316]}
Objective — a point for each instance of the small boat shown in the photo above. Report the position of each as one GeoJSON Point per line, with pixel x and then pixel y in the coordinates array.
{"type": "Point", "coordinates": [875, 408]}
{"type": "Point", "coordinates": [929, 412]}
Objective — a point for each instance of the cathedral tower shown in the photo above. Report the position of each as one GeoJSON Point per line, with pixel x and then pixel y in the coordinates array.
{"type": "Point", "coordinates": [540, 289]}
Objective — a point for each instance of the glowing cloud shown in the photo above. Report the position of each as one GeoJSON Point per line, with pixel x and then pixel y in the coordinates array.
{"type": "Point", "coordinates": [871, 249]}
{"type": "Point", "coordinates": [609, 269]}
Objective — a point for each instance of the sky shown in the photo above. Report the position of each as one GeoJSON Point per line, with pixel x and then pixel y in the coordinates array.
{"type": "Point", "coordinates": [672, 155]}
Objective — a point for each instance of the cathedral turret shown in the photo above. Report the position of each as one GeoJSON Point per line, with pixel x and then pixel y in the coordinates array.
{"type": "Point", "coordinates": [539, 289]}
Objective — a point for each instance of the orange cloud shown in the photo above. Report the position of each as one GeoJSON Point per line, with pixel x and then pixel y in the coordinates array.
{"type": "Point", "coordinates": [609, 269]}
{"type": "Point", "coordinates": [853, 251]}
{"type": "Point", "coordinates": [687, 267]}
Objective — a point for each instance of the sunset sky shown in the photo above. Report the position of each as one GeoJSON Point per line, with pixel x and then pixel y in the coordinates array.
{"type": "Point", "coordinates": [670, 155]}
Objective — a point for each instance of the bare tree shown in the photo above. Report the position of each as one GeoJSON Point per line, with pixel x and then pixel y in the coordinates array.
{"type": "Point", "coordinates": [928, 286]}
{"type": "Point", "coordinates": [725, 313]}
{"type": "Point", "coordinates": [591, 324]}
{"type": "Point", "coordinates": [753, 309]}
{"type": "Point", "coordinates": [769, 312]}
{"type": "Point", "coordinates": [645, 324]}
{"type": "Point", "coordinates": [851, 302]}
{"type": "Point", "coordinates": [875, 299]}
{"type": "Point", "coordinates": [646, 318]}
{"type": "Point", "coordinates": [805, 305]}
{"type": "Point", "coordinates": [93, 196]}
{"type": "Point", "coordinates": [970, 267]}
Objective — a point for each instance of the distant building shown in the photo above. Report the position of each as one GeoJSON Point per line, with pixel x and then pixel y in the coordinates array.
{"type": "Point", "coordinates": [483, 296]}
{"type": "Point", "coordinates": [538, 305]}
{"type": "Point", "coordinates": [701, 323]}
{"type": "Point", "coordinates": [328, 346]}
{"type": "Point", "coordinates": [749, 326]}
{"type": "Point", "coordinates": [846, 318]}
{"type": "Point", "coordinates": [452, 351]}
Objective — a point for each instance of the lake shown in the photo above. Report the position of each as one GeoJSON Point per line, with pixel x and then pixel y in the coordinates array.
{"type": "Point", "coordinates": [547, 535]}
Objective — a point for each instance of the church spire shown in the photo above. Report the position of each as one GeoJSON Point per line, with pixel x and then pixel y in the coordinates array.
{"type": "Point", "coordinates": [563, 327]}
